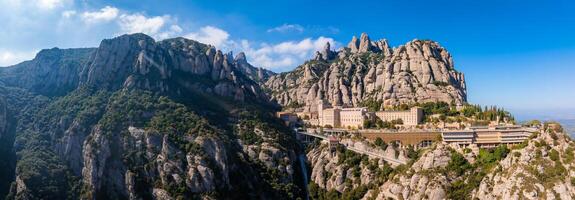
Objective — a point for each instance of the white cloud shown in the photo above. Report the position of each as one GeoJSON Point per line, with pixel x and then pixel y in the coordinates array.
{"type": "Point", "coordinates": [287, 28]}
{"type": "Point", "coordinates": [159, 27]}
{"type": "Point", "coordinates": [8, 58]}
{"type": "Point", "coordinates": [173, 31]}
{"type": "Point", "coordinates": [68, 13]}
{"type": "Point", "coordinates": [75, 26]}
{"type": "Point", "coordinates": [281, 56]}
{"type": "Point", "coordinates": [210, 35]}
{"type": "Point", "coordinates": [138, 23]}
{"type": "Point", "coordinates": [50, 4]}
{"type": "Point", "coordinates": [105, 14]}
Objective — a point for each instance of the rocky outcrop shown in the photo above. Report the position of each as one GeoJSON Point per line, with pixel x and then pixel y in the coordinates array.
{"type": "Point", "coordinates": [326, 53]}
{"type": "Point", "coordinates": [195, 171]}
{"type": "Point", "coordinates": [336, 170]}
{"type": "Point", "coordinates": [362, 145]}
{"type": "Point", "coordinates": [96, 154]}
{"type": "Point", "coordinates": [160, 194]}
{"type": "Point", "coordinates": [137, 61]}
{"type": "Point", "coordinates": [72, 140]}
{"type": "Point", "coordinates": [267, 153]}
{"type": "Point", "coordinates": [420, 181]}
{"type": "Point", "coordinates": [257, 74]}
{"type": "Point", "coordinates": [52, 72]}
{"type": "Point", "coordinates": [81, 142]}
{"type": "Point", "coordinates": [330, 170]}
{"type": "Point", "coordinates": [541, 170]}
{"type": "Point", "coordinates": [172, 66]}
{"type": "Point", "coordinates": [419, 71]}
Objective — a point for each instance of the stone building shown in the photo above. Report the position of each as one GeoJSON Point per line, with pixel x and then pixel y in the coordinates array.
{"type": "Point", "coordinates": [352, 117]}
{"type": "Point", "coordinates": [411, 117]}
{"type": "Point", "coordinates": [338, 116]}
{"type": "Point", "coordinates": [341, 117]}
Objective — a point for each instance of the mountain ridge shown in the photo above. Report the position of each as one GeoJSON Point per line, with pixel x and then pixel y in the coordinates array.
{"type": "Point", "coordinates": [137, 118]}
{"type": "Point", "coordinates": [419, 71]}
{"type": "Point", "coordinates": [140, 119]}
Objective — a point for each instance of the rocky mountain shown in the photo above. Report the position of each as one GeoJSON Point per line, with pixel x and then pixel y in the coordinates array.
{"type": "Point", "coordinates": [257, 74]}
{"type": "Point", "coordinates": [52, 72]}
{"type": "Point", "coordinates": [137, 118]}
{"type": "Point", "coordinates": [142, 119]}
{"type": "Point", "coordinates": [137, 60]}
{"type": "Point", "coordinates": [540, 168]}
{"type": "Point", "coordinates": [419, 71]}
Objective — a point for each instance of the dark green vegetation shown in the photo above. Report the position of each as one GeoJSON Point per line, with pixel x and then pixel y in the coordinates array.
{"type": "Point", "coordinates": [70, 110]}
{"type": "Point", "coordinates": [472, 174]}
{"type": "Point", "coordinates": [356, 193]}
{"type": "Point", "coordinates": [554, 170]}
{"type": "Point", "coordinates": [49, 176]}
{"type": "Point", "coordinates": [445, 112]}
{"type": "Point", "coordinates": [372, 104]}
{"type": "Point", "coordinates": [38, 75]}
{"type": "Point", "coordinates": [377, 123]}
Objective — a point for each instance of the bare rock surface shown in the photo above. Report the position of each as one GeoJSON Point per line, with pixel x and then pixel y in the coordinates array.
{"type": "Point", "coordinates": [419, 71]}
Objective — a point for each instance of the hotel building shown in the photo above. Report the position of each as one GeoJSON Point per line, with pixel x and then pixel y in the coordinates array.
{"type": "Point", "coordinates": [411, 117]}
{"type": "Point", "coordinates": [487, 137]}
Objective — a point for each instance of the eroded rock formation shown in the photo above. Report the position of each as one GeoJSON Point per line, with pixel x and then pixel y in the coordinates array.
{"type": "Point", "coordinates": [419, 71]}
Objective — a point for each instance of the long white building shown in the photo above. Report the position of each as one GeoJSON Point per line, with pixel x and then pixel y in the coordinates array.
{"type": "Point", "coordinates": [487, 136]}
{"type": "Point", "coordinates": [341, 117]}
{"type": "Point", "coordinates": [412, 117]}
{"type": "Point", "coordinates": [338, 116]}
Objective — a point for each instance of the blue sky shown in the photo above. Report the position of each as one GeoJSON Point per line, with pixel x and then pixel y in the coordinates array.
{"type": "Point", "coordinates": [516, 54]}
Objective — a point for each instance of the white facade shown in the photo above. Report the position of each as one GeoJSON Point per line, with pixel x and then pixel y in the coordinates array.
{"type": "Point", "coordinates": [352, 117]}
{"type": "Point", "coordinates": [411, 117]}
{"type": "Point", "coordinates": [341, 117]}
{"type": "Point", "coordinates": [487, 137]}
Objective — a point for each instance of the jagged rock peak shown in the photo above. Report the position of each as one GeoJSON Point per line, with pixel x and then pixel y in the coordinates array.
{"type": "Point", "coordinates": [353, 45]}
{"type": "Point", "coordinates": [326, 53]}
{"type": "Point", "coordinates": [418, 71]}
{"type": "Point", "coordinates": [327, 47]}
{"type": "Point", "coordinates": [364, 44]}
{"type": "Point", "coordinates": [138, 61]}
{"type": "Point", "coordinates": [241, 57]}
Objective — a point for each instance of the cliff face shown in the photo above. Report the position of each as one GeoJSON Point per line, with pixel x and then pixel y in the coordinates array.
{"type": "Point", "coordinates": [541, 168]}
{"type": "Point", "coordinates": [52, 72]}
{"type": "Point", "coordinates": [344, 171]}
{"type": "Point", "coordinates": [138, 61]}
{"type": "Point", "coordinates": [421, 180]}
{"type": "Point", "coordinates": [201, 127]}
{"type": "Point", "coordinates": [167, 66]}
{"type": "Point", "coordinates": [418, 71]}
{"type": "Point", "coordinates": [6, 145]}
